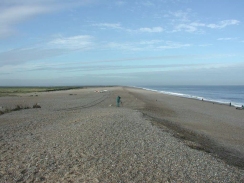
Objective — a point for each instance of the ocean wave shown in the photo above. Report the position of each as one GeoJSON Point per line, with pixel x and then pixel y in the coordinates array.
{"type": "Point", "coordinates": [214, 100]}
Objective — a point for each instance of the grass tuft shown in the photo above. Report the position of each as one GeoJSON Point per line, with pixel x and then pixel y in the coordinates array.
{"type": "Point", "coordinates": [36, 106]}
{"type": "Point", "coordinates": [18, 108]}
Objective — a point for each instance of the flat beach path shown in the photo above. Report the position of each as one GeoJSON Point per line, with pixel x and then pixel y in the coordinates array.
{"type": "Point", "coordinates": [81, 136]}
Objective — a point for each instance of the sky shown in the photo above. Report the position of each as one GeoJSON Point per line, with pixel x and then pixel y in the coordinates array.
{"type": "Point", "coordinates": [121, 42]}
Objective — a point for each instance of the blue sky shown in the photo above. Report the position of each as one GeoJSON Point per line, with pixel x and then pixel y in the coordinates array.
{"type": "Point", "coordinates": [122, 42]}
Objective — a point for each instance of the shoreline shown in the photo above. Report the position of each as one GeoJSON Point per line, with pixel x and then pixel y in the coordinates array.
{"type": "Point", "coordinates": [194, 136]}
{"type": "Point", "coordinates": [200, 98]}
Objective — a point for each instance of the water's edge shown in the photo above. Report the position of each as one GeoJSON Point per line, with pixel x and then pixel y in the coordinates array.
{"type": "Point", "coordinates": [232, 103]}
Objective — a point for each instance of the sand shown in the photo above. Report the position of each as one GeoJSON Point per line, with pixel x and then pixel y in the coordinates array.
{"type": "Point", "coordinates": [81, 136]}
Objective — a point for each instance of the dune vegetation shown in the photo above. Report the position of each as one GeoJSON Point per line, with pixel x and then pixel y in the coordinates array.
{"type": "Point", "coordinates": [12, 91]}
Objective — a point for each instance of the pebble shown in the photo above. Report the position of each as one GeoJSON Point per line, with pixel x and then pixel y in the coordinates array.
{"type": "Point", "coordinates": [100, 144]}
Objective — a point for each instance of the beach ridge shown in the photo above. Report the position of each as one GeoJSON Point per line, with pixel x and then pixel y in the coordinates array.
{"type": "Point", "coordinates": [84, 137]}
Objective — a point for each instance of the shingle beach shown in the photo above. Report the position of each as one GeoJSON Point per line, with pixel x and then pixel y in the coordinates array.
{"type": "Point", "coordinates": [81, 136]}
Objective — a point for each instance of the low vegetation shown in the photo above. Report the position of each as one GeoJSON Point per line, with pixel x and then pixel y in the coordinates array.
{"type": "Point", "coordinates": [36, 106]}
{"type": "Point", "coordinates": [17, 108]}
{"type": "Point", "coordinates": [12, 91]}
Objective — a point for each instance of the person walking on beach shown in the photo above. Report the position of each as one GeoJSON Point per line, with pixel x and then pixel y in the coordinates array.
{"type": "Point", "coordinates": [118, 101]}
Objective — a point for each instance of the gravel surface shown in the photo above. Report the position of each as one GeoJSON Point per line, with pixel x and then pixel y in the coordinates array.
{"type": "Point", "coordinates": [85, 138]}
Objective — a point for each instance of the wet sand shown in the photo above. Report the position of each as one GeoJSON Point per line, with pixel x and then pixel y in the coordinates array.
{"type": "Point", "coordinates": [81, 136]}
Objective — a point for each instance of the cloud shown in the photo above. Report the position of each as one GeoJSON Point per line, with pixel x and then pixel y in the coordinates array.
{"type": "Point", "coordinates": [190, 76]}
{"type": "Point", "coordinates": [205, 45]}
{"type": "Point", "coordinates": [194, 26]}
{"type": "Point", "coordinates": [223, 24]}
{"type": "Point", "coordinates": [151, 42]}
{"type": "Point", "coordinates": [123, 46]}
{"type": "Point", "coordinates": [5, 31]}
{"type": "Point", "coordinates": [64, 45]}
{"type": "Point", "coordinates": [205, 75]}
{"type": "Point", "coordinates": [182, 21]}
{"type": "Point", "coordinates": [20, 56]}
{"type": "Point", "coordinates": [58, 46]}
{"type": "Point", "coordinates": [227, 39]}
{"type": "Point", "coordinates": [172, 45]}
{"type": "Point", "coordinates": [185, 27]}
{"type": "Point", "coordinates": [147, 45]}
{"type": "Point", "coordinates": [147, 3]}
{"type": "Point", "coordinates": [81, 67]}
{"type": "Point", "coordinates": [168, 57]}
{"type": "Point", "coordinates": [13, 15]}
{"type": "Point", "coordinates": [120, 3]}
{"type": "Point", "coordinates": [140, 68]}
{"type": "Point", "coordinates": [120, 27]}
{"type": "Point", "coordinates": [161, 44]}
{"type": "Point", "coordinates": [13, 12]}
{"type": "Point", "coordinates": [151, 30]}
{"type": "Point", "coordinates": [83, 42]}
{"type": "Point", "coordinates": [19, 13]}
{"type": "Point", "coordinates": [150, 72]}
{"type": "Point", "coordinates": [108, 25]}
{"type": "Point", "coordinates": [17, 59]}
{"type": "Point", "coordinates": [179, 16]}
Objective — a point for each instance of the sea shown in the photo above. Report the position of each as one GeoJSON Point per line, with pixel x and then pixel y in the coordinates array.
{"type": "Point", "coordinates": [233, 95]}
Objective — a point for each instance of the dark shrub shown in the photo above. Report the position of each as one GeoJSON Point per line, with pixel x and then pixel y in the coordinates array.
{"type": "Point", "coordinates": [36, 106]}
{"type": "Point", "coordinates": [17, 108]}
